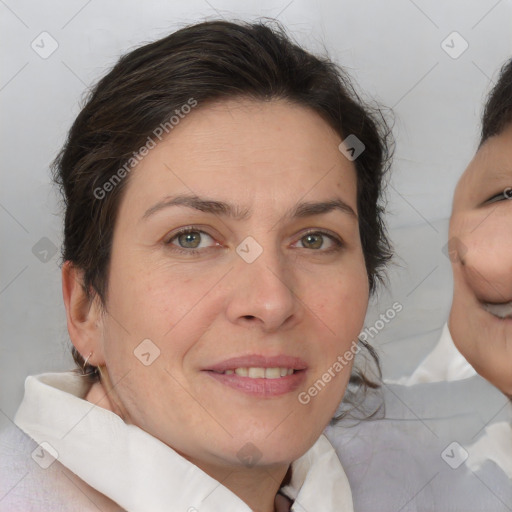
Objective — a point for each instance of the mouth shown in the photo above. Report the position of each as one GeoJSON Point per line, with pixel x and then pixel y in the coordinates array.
{"type": "Point", "coordinates": [259, 366]}
{"type": "Point", "coordinates": [502, 310]}
{"type": "Point", "coordinates": [260, 376]}
{"type": "Point", "coordinates": [261, 387]}
{"type": "Point", "coordinates": [260, 372]}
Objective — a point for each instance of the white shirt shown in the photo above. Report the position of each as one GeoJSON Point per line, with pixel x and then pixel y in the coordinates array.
{"type": "Point", "coordinates": [446, 363]}
{"type": "Point", "coordinates": [141, 473]}
{"type": "Point", "coordinates": [420, 457]}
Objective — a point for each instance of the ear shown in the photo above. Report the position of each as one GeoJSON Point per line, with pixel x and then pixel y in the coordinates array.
{"type": "Point", "coordinates": [83, 314]}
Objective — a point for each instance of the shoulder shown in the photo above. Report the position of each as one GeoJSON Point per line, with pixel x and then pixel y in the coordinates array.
{"type": "Point", "coordinates": [415, 457]}
{"type": "Point", "coordinates": [31, 479]}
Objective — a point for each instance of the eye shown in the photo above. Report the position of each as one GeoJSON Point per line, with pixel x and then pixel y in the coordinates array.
{"type": "Point", "coordinates": [505, 194]}
{"type": "Point", "coordinates": [190, 240]}
{"type": "Point", "coordinates": [317, 240]}
{"type": "Point", "coordinates": [193, 241]}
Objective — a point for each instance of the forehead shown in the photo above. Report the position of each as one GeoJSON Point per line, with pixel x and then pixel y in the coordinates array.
{"type": "Point", "coordinates": [267, 149]}
{"type": "Point", "coordinates": [241, 127]}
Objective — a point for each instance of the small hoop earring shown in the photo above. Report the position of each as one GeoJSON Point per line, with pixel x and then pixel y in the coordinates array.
{"type": "Point", "coordinates": [85, 362]}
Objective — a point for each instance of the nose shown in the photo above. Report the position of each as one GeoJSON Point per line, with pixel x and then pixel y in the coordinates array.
{"type": "Point", "coordinates": [262, 293]}
{"type": "Point", "coordinates": [486, 258]}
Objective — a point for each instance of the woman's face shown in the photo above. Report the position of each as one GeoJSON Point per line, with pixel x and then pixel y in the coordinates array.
{"type": "Point", "coordinates": [270, 274]}
{"type": "Point", "coordinates": [481, 238]}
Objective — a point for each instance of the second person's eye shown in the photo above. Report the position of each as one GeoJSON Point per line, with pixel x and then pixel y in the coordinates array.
{"type": "Point", "coordinates": [505, 194]}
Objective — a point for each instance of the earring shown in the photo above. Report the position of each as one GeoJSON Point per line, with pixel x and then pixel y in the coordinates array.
{"type": "Point", "coordinates": [85, 363]}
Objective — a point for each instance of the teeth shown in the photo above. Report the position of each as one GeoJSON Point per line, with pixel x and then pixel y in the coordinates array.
{"type": "Point", "coordinates": [271, 373]}
{"type": "Point", "coordinates": [261, 373]}
{"type": "Point", "coordinates": [256, 373]}
{"type": "Point", "coordinates": [499, 310]}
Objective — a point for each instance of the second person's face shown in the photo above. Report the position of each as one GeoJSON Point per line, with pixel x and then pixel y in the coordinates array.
{"type": "Point", "coordinates": [481, 239]}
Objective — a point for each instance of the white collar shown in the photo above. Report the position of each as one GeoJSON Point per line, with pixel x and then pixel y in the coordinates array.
{"type": "Point", "coordinates": [139, 472]}
{"type": "Point", "coordinates": [444, 363]}
{"type": "Point", "coordinates": [495, 445]}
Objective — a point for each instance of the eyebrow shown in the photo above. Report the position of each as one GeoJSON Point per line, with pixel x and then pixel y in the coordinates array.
{"type": "Point", "coordinates": [301, 210]}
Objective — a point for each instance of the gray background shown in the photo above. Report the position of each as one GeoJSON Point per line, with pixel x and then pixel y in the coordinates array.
{"type": "Point", "coordinates": [394, 51]}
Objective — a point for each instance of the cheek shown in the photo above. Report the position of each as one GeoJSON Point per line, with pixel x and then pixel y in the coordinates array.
{"type": "Point", "coordinates": [152, 299]}
{"type": "Point", "coordinates": [482, 265]}
{"type": "Point", "coordinates": [343, 297]}
{"type": "Point", "coordinates": [171, 308]}
{"type": "Point", "coordinates": [462, 331]}
{"type": "Point", "coordinates": [482, 271]}
{"type": "Point", "coordinates": [340, 306]}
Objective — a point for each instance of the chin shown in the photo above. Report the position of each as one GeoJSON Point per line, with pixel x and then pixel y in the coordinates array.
{"type": "Point", "coordinates": [504, 385]}
{"type": "Point", "coordinates": [500, 379]}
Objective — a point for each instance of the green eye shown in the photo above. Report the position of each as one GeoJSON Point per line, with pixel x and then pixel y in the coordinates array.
{"type": "Point", "coordinates": [317, 240]}
{"type": "Point", "coordinates": [190, 240]}
{"type": "Point", "coordinates": [313, 240]}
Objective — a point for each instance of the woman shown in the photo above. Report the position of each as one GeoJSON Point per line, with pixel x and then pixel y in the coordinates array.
{"type": "Point", "coordinates": [222, 236]}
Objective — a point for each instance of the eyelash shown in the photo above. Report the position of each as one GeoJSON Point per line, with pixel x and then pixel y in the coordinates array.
{"type": "Point", "coordinates": [338, 244]}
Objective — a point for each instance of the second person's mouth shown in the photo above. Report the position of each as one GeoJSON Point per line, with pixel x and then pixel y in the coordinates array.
{"type": "Point", "coordinates": [501, 310]}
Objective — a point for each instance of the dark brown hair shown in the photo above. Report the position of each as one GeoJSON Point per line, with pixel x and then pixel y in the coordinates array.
{"type": "Point", "coordinates": [498, 108]}
{"type": "Point", "coordinates": [205, 62]}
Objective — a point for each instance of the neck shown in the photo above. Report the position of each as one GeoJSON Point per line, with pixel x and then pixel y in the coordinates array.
{"type": "Point", "coordinates": [257, 486]}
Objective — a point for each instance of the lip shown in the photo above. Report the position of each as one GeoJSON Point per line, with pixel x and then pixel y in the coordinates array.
{"type": "Point", "coordinates": [261, 388]}
{"type": "Point", "coordinates": [259, 361]}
